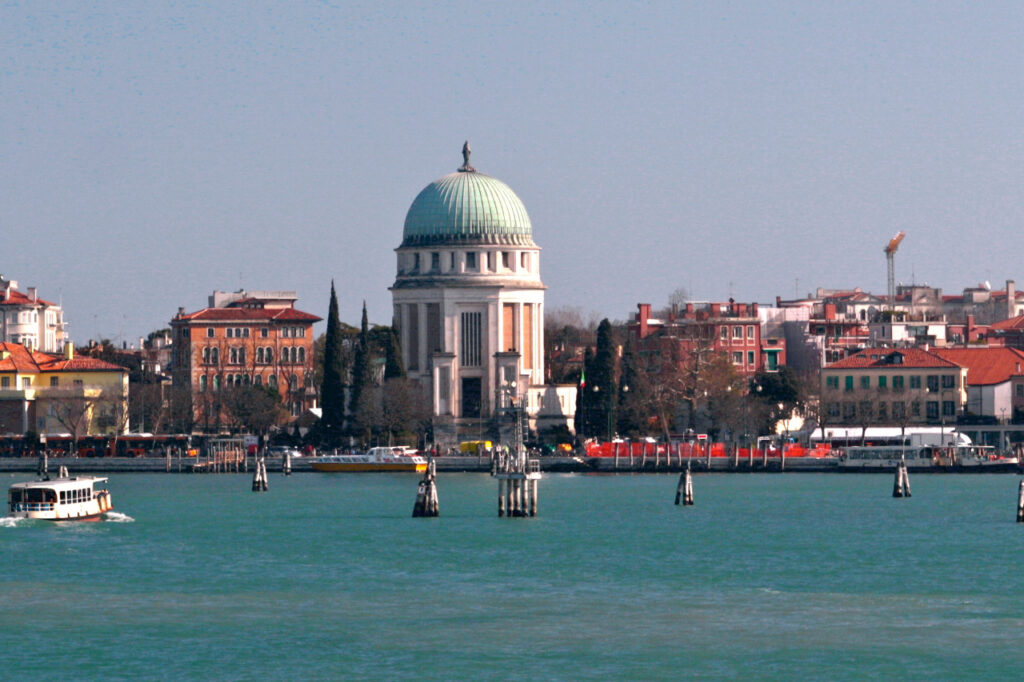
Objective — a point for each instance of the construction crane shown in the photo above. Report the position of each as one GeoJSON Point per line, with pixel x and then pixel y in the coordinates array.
{"type": "Point", "coordinates": [890, 251]}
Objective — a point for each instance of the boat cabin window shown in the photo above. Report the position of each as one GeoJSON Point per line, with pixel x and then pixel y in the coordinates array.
{"type": "Point", "coordinates": [16, 497]}
{"type": "Point", "coordinates": [40, 495]}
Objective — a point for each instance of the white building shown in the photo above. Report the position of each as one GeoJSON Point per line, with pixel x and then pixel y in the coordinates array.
{"type": "Point", "coordinates": [469, 304]}
{"type": "Point", "coordinates": [28, 320]}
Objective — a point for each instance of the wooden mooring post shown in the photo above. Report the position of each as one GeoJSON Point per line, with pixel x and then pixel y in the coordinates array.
{"type": "Point", "coordinates": [684, 491]}
{"type": "Point", "coordinates": [1020, 502]}
{"type": "Point", "coordinates": [259, 477]}
{"type": "Point", "coordinates": [901, 484]}
{"type": "Point", "coordinates": [286, 463]}
{"type": "Point", "coordinates": [426, 494]}
{"type": "Point", "coordinates": [44, 466]}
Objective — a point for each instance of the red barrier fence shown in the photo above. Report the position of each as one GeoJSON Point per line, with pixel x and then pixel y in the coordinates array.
{"type": "Point", "coordinates": [696, 451]}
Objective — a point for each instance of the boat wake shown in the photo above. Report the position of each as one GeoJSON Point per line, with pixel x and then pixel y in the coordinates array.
{"type": "Point", "coordinates": [9, 521]}
{"type": "Point", "coordinates": [117, 517]}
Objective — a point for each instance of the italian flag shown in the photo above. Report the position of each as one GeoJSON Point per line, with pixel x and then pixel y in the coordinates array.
{"type": "Point", "coordinates": [583, 378]}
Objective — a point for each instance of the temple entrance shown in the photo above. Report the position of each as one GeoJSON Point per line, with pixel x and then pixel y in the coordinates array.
{"type": "Point", "coordinates": [471, 392]}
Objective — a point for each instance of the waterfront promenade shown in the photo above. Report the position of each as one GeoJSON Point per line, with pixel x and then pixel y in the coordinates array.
{"type": "Point", "coordinates": [471, 463]}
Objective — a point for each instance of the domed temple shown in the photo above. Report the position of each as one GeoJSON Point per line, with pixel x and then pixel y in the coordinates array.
{"type": "Point", "coordinates": [469, 305]}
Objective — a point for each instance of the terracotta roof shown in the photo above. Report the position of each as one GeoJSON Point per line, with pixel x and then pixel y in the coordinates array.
{"type": "Point", "coordinates": [986, 366]}
{"type": "Point", "coordinates": [18, 298]}
{"type": "Point", "coordinates": [249, 315]}
{"type": "Point", "coordinates": [1012, 323]}
{"type": "Point", "coordinates": [912, 358]}
{"type": "Point", "coordinates": [24, 361]}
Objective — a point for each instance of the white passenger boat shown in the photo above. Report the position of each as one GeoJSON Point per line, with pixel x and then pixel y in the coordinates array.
{"type": "Point", "coordinates": [374, 459]}
{"type": "Point", "coordinates": [976, 458]}
{"type": "Point", "coordinates": [59, 499]}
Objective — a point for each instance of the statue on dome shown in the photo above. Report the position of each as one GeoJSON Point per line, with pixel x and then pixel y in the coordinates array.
{"type": "Point", "coordinates": [466, 151]}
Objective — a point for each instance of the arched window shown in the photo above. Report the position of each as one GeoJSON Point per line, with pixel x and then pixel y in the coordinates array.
{"type": "Point", "coordinates": [272, 381]}
{"type": "Point", "coordinates": [206, 356]}
{"type": "Point", "coordinates": [293, 382]}
{"type": "Point", "coordinates": [302, 354]}
{"type": "Point", "coordinates": [257, 380]}
{"type": "Point", "coordinates": [202, 383]}
{"type": "Point", "coordinates": [215, 356]}
{"type": "Point", "coordinates": [270, 354]}
{"type": "Point", "coordinates": [216, 383]}
{"type": "Point", "coordinates": [246, 380]}
{"type": "Point", "coordinates": [259, 354]}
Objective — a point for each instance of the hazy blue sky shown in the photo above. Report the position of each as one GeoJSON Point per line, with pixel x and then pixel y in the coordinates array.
{"type": "Point", "coordinates": [152, 152]}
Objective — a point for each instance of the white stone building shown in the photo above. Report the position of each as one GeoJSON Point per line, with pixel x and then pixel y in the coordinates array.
{"type": "Point", "coordinates": [469, 305]}
{"type": "Point", "coordinates": [28, 320]}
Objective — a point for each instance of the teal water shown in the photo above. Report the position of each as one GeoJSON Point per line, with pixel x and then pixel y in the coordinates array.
{"type": "Point", "coordinates": [327, 577]}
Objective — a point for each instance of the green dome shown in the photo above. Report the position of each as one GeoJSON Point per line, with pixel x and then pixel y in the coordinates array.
{"type": "Point", "coordinates": [467, 208]}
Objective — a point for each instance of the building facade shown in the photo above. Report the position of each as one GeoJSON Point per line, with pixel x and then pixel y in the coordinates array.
{"type": "Point", "coordinates": [733, 329]}
{"type": "Point", "coordinates": [469, 303]}
{"type": "Point", "coordinates": [893, 387]}
{"type": "Point", "coordinates": [244, 338]}
{"type": "Point", "coordinates": [53, 393]}
{"type": "Point", "coordinates": [29, 320]}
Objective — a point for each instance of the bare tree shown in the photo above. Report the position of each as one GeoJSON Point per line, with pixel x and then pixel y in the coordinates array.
{"type": "Point", "coordinates": [404, 407]}
{"type": "Point", "coordinates": [73, 409]}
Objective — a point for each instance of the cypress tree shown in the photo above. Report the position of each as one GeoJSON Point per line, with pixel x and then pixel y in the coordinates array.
{"type": "Point", "coordinates": [394, 368]}
{"type": "Point", "coordinates": [602, 374]}
{"type": "Point", "coordinates": [332, 390]}
{"type": "Point", "coordinates": [362, 369]}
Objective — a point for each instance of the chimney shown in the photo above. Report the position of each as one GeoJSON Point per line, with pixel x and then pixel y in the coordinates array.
{"type": "Point", "coordinates": [1011, 299]}
{"type": "Point", "coordinates": [643, 314]}
{"type": "Point", "coordinates": [32, 294]}
{"type": "Point", "coordinates": [778, 301]}
{"type": "Point", "coordinates": [69, 350]}
{"type": "Point", "coordinates": [754, 310]}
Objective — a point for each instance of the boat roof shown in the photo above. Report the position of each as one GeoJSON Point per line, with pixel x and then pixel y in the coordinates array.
{"type": "Point", "coordinates": [58, 483]}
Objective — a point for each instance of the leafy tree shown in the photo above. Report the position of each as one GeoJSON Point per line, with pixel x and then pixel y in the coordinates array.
{"type": "Point", "coordinates": [253, 409]}
{"type": "Point", "coordinates": [332, 389]}
{"type": "Point", "coordinates": [775, 395]}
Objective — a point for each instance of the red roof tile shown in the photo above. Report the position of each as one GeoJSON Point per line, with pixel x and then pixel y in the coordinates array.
{"type": "Point", "coordinates": [250, 315]}
{"type": "Point", "coordinates": [986, 366]}
{"type": "Point", "coordinates": [913, 358]}
{"type": "Point", "coordinates": [18, 298]}
{"type": "Point", "coordinates": [24, 361]}
{"type": "Point", "coordinates": [1012, 323]}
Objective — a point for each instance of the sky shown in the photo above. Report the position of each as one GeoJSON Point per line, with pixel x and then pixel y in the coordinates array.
{"type": "Point", "coordinates": [153, 152]}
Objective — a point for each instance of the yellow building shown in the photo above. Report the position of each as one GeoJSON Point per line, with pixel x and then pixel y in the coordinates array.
{"type": "Point", "coordinates": [60, 393]}
{"type": "Point", "coordinates": [893, 387]}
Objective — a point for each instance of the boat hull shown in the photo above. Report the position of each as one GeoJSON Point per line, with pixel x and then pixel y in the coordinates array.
{"type": "Point", "coordinates": [369, 466]}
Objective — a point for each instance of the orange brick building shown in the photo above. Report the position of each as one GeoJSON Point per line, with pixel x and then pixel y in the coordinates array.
{"type": "Point", "coordinates": [255, 338]}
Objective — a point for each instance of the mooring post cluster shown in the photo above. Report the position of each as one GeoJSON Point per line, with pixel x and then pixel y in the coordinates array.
{"type": "Point", "coordinates": [259, 477]}
{"type": "Point", "coordinates": [426, 494]}
{"type": "Point", "coordinates": [684, 490]}
{"type": "Point", "coordinates": [518, 481]}
{"type": "Point", "coordinates": [1020, 502]}
{"type": "Point", "coordinates": [901, 484]}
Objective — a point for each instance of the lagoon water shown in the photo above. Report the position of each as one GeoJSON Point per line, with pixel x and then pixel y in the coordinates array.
{"type": "Point", "coordinates": [327, 576]}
